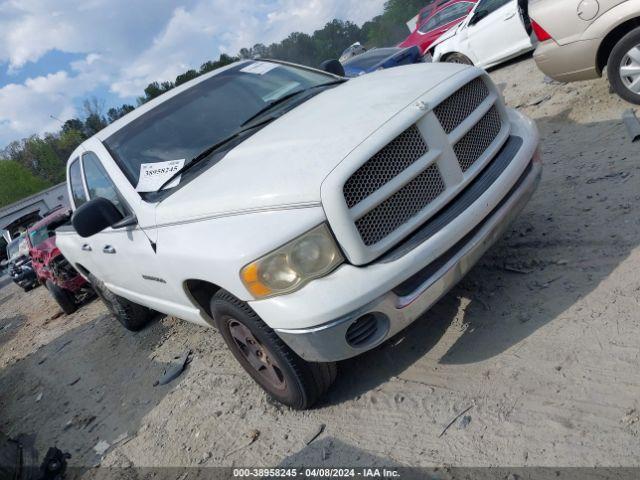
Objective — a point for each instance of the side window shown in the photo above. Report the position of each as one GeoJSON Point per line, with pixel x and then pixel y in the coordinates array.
{"type": "Point", "coordinates": [75, 180]}
{"type": "Point", "coordinates": [433, 23]}
{"type": "Point", "coordinates": [99, 184]}
{"type": "Point", "coordinates": [492, 5]}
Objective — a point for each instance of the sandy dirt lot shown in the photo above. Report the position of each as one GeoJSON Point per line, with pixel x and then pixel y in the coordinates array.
{"type": "Point", "coordinates": [540, 343]}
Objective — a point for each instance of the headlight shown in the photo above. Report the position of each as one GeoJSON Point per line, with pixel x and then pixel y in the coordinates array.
{"type": "Point", "coordinates": [312, 255]}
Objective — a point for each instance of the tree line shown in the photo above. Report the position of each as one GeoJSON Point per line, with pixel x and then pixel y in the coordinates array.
{"type": "Point", "coordinates": [31, 164]}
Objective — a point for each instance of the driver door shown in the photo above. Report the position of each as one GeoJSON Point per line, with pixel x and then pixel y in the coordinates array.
{"type": "Point", "coordinates": [500, 34]}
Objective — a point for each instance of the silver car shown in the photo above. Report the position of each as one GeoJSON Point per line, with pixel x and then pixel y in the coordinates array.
{"type": "Point", "coordinates": [580, 38]}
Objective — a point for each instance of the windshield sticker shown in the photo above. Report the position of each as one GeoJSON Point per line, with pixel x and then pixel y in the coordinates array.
{"type": "Point", "coordinates": [153, 175]}
{"type": "Point", "coordinates": [259, 68]}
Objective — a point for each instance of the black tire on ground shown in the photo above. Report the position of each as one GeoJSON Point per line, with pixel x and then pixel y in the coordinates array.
{"type": "Point", "coordinates": [458, 58]}
{"type": "Point", "coordinates": [63, 297]}
{"type": "Point", "coordinates": [132, 316]}
{"type": "Point", "coordinates": [614, 63]}
{"type": "Point", "coordinates": [271, 363]}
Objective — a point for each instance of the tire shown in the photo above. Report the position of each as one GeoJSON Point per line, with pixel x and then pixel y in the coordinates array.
{"type": "Point", "coordinates": [458, 58]}
{"type": "Point", "coordinates": [285, 376]}
{"type": "Point", "coordinates": [617, 60]}
{"type": "Point", "coordinates": [132, 316]}
{"type": "Point", "coordinates": [63, 297]}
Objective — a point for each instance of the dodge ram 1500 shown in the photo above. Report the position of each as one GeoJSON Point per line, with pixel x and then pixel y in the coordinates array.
{"type": "Point", "coordinates": [309, 218]}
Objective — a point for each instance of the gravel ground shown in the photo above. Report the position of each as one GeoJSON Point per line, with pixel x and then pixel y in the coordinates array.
{"type": "Point", "coordinates": [538, 345]}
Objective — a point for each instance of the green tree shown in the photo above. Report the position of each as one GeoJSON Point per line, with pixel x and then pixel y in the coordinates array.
{"type": "Point", "coordinates": [17, 182]}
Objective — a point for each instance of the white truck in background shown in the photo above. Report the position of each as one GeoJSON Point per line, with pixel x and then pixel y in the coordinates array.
{"type": "Point", "coordinates": [309, 218]}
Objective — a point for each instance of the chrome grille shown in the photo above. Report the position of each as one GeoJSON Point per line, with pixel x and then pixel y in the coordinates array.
{"type": "Point", "coordinates": [385, 165]}
{"type": "Point", "coordinates": [471, 147]}
{"type": "Point", "coordinates": [400, 207]}
{"type": "Point", "coordinates": [455, 109]}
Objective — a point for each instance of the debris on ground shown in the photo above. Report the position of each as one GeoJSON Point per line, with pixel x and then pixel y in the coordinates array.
{"type": "Point", "coordinates": [315, 434]}
{"type": "Point", "coordinates": [455, 420]}
{"type": "Point", "coordinates": [101, 447]}
{"type": "Point", "coordinates": [175, 370]}
{"type": "Point", "coordinates": [633, 125]}
{"type": "Point", "coordinates": [464, 422]}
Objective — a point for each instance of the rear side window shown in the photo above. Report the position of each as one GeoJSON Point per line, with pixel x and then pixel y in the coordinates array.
{"type": "Point", "coordinates": [75, 180]}
{"type": "Point", "coordinates": [99, 184]}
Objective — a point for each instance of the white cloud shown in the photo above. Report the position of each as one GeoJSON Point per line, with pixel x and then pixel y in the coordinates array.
{"type": "Point", "coordinates": [129, 43]}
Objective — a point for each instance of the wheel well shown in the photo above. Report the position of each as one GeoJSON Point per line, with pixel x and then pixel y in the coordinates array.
{"type": "Point", "coordinates": [613, 37]}
{"type": "Point", "coordinates": [200, 293]}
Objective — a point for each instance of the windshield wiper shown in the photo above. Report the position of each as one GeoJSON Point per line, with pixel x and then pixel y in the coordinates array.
{"type": "Point", "coordinates": [211, 150]}
{"type": "Point", "coordinates": [271, 105]}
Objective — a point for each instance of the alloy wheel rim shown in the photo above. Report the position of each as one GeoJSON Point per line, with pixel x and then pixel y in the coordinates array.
{"type": "Point", "coordinates": [630, 69]}
{"type": "Point", "coordinates": [257, 355]}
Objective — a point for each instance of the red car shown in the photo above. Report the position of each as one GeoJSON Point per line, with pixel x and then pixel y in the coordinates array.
{"type": "Point", "coordinates": [65, 284]}
{"type": "Point", "coordinates": [438, 21]}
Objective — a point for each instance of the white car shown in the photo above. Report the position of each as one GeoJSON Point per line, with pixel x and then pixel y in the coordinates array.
{"type": "Point", "coordinates": [308, 217]}
{"type": "Point", "coordinates": [492, 33]}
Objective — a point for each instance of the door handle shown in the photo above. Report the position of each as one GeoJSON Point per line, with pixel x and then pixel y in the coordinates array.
{"type": "Point", "coordinates": [509, 16]}
{"type": "Point", "coordinates": [108, 249]}
{"type": "Point", "coordinates": [86, 247]}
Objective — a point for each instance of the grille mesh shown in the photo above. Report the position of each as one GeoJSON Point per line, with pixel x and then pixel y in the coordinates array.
{"type": "Point", "coordinates": [455, 109]}
{"type": "Point", "coordinates": [393, 159]}
{"type": "Point", "coordinates": [400, 207]}
{"type": "Point", "coordinates": [471, 147]}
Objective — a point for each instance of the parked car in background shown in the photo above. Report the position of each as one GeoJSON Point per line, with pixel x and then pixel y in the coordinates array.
{"type": "Point", "coordinates": [494, 32]}
{"type": "Point", "coordinates": [352, 51]}
{"type": "Point", "coordinates": [579, 43]}
{"type": "Point", "coordinates": [438, 22]}
{"type": "Point", "coordinates": [19, 264]}
{"type": "Point", "coordinates": [380, 59]}
{"type": "Point", "coordinates": [67, 287]}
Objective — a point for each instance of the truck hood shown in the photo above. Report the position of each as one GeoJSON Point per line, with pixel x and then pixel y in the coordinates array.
{"type": "Point", "coordinates": [285, 163]}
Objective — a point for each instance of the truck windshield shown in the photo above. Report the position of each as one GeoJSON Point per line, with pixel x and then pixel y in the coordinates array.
{"type": "Point", "coordinates": [188, 123]}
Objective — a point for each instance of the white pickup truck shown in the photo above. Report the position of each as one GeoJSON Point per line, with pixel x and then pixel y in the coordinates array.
{"type": "Point", "coordinates": [309, 218]}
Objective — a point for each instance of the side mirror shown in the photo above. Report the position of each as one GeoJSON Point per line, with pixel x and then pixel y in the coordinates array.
{"type": "Point", "coordinates": [95, 216]}
{"type": "Point", "coordinates": [479, 15]}
{"type": "Point", "coordinates": [333, 66]}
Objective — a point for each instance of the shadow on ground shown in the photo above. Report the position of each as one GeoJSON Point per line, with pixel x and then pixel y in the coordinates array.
{"type": "Point", "coordinates": [104, 396]}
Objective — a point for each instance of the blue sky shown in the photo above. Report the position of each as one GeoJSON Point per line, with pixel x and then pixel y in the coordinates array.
{"type": "Point", "coordinates": [55, 53]}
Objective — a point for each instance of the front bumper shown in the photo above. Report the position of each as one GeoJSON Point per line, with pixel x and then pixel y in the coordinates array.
{"type": "Point", "coordinates": [568, 63]}
{"type": "Point", "coordinates": [399, 308]}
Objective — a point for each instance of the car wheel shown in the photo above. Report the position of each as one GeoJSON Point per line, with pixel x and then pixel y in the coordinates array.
{"type": "Point", "coordinates": [63, 297]}
{"type": "Point", "coordinates": [458, 58]}
{"type": "Point", "coordinates": [267, 359]}
{"type": "Point", "coordinates": [132, 316]}
{"type": "Point", "coordinates": [623, 67]}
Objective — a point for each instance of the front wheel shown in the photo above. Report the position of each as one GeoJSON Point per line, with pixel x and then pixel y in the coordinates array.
{"type": "Point", "coordinates": [458, 58]}
{"type": "Point", "coordinates": [270, 362]}
{"type": "Point", "coordinates": [623, 67]}
{"type": "Point", "coordinates": [63, 297]}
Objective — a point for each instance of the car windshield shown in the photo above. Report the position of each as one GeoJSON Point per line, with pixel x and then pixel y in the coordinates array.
{"type": "Point", "coordinates": [43, 233]}
{"type": "Point", "coordinates": [14, 247]}
{"type": "Point", "coordinates": [188, 123]}
{"type": "Point", "coordinates": [371, 58]}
